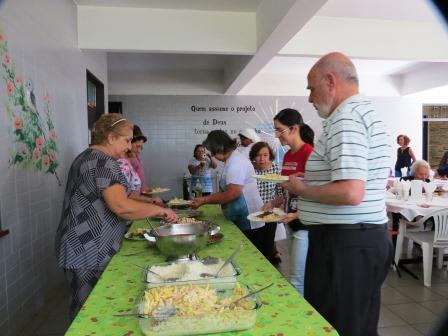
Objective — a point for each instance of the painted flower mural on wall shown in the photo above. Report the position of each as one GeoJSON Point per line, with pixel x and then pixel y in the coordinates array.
{"type": "Point", "coordinates": [33, 134]}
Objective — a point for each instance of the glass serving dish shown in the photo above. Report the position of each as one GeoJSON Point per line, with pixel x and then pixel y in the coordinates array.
{"type": "Point", "coordinates": [188, 272]}
{"type": "Point", "coordinates": [197, 319]}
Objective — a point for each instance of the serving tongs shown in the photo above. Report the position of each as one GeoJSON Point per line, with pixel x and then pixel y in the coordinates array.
{"type": "Point", "coordinates": [248, 295]}
{"type": "Point", "coordinates": [152, 227]}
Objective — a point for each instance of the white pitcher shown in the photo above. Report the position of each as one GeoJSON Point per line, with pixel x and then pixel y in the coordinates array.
{"type": "Point", "coordinates": [416, 189]}
{"type": "Point", "coordinates": [404, 171]}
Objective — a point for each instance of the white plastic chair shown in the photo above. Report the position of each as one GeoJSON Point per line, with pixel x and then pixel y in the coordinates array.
{"type": "Point", "coordinates": [407, 226]}
{"type": "Point", "coordinates": [430, 240]}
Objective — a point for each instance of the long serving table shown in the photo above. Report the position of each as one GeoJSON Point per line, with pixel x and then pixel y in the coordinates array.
{"type": "Point", "coordinates": [284, 311]}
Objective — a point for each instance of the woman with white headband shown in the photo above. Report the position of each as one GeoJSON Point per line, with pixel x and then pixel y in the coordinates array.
{"type": "Point", "coordinates": [96, 205]}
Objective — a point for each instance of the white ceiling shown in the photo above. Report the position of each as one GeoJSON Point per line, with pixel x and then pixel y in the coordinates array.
{"type": "Point", "coordinates": [393, 39]}
{"type": "Point", "coordinates": [301, 65]}
{"type": "Point", "coordinates": [155, 61]}
{"type": "Point", "coordinates": [380, 9]}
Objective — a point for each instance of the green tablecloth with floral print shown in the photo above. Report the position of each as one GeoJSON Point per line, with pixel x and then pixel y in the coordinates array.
{"type": "Point", "coordinates": [284, 311]}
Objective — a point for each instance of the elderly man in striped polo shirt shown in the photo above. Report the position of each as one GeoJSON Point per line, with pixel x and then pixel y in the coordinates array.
{"type": "Point", "coordinates": [342, 201]}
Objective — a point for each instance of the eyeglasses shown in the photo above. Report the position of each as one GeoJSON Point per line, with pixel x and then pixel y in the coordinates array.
{"type": "Point", "coordinates": [276, 132]}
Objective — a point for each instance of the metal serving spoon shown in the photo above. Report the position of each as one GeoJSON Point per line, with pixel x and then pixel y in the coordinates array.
{"type": "Point", "coordinates": [158, 313]}
{"type": "Point", "coordinates": [152, 227]}
{"type": "Point", "coordinates": [229, 259]}
{"type": "Point", "coordinates": [248, 295]}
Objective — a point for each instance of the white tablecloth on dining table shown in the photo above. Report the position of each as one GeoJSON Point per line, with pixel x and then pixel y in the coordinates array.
{"type": "Point", "coordinates": [413, 208]}
{"type": "Point", "coordinates": [442, 184]}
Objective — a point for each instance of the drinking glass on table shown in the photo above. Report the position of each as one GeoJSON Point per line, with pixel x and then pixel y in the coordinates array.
{"type": "Point", "coordinates": [428, 197]}
{"type": "Point", "coordinates": [405, 194]}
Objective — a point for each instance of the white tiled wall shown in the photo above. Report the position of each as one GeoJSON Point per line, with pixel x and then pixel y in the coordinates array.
{"type": "Point", "coordinates": [42, 41]}
{"type": "Point", "coordinates": [169, 123]}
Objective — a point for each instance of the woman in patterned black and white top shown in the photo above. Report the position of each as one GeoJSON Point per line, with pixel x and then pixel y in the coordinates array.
{"type": "Point", "coordinates": [96, 203]}
{"type": "Point", "coordinates": [262, 156]}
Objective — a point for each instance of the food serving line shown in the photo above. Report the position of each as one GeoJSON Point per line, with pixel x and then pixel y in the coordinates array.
{"type": "Point", "coordinates": [283, 310]}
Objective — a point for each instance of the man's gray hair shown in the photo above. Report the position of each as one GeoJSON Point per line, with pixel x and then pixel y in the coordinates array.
{"type": "Point", "coordinates": [419, 164]}
{"type": "Point", "coordinates": [343, 68]}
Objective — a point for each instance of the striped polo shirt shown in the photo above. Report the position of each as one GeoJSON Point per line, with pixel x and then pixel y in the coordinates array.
{"type": "Point", "coordinates": [353, 145]}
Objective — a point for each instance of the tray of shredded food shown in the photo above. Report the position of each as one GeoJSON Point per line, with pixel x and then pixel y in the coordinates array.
{"type": "Point", "coordinates": [178, 203]}
{"type": "Point", "coordinates": [185, 220]}
{"type": "Point", "coordinates": [156, 190]}
{"type": "Point", "coordinates": [275, 178]}
{"type": "Point", "coordinates": [197, 310]}
{"type": "Point", "coordinates": [187, 212]}
{"type": "Point", "coordinates": [189, 272]}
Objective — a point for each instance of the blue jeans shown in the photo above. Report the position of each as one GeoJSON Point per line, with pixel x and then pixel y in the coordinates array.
{"type": "Point", "coordinates": [236, 212]}
{"type": "Point", "coordinates": [299, 250]}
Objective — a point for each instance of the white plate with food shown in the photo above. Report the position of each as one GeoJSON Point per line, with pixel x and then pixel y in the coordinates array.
{"type": "Point", "coordinates": [275, 178]}
{"type": "Point", "coordinates": [156, 190]}
{"type": "Point", "coordinates": [274, 215]}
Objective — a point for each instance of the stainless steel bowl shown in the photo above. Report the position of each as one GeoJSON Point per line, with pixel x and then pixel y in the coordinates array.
{"type": "Point", "coordinates": [175, 240]}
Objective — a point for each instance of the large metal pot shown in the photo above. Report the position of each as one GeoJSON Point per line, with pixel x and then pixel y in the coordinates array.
{"type": "Point", "coordinates": [176, 240]}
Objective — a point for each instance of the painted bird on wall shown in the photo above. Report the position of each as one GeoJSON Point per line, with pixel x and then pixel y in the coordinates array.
{"type": "Point", "coordinates": [31, 103]}
{"type": "Point", "coordinates": [30, 96]}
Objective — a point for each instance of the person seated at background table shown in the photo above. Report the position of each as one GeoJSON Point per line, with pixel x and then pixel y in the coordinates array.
{"type": "Point", "coordinates": [96, 203]}
{"type": "Point", "coordinates": [442, 171]}
{"type": "Point", "coordinates": [405, 155]}
{"type": "Point", "coordinates": [419, 171]}
{"type": "Point", "coordinates": [239, 195]}
{"type": "Point", "coordinates": [200, 168]}
{"type": "Point", "coordinates": [262, 156]}
{"type": "Point", "coordinates": [248, 137]}
{"type": "Point", "coordinates": [134, 181]}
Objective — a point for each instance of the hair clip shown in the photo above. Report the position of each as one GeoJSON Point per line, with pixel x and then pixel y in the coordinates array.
{"type": "Point", "coordinates": [117, 122]}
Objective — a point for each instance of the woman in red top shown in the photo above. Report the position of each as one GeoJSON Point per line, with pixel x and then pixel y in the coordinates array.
{"type": "Point", "coordinates": [292, 131]}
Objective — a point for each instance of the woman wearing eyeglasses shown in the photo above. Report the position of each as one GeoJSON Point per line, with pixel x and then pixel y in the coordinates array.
{"type": "Point", "coordinates": [262, 157]}
{"type": "Point", "coordinates": [239, 194]}
{"type": "Point", "coordinates": [292, 131]}
{"type": "Point", "coordinates": [96, 205]}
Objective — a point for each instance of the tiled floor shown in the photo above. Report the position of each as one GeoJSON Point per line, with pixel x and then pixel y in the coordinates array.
{"type": "Point", "coordinates": [408, 308]}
